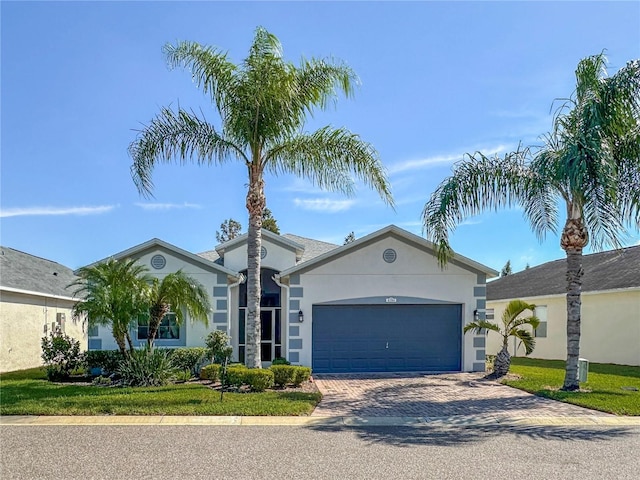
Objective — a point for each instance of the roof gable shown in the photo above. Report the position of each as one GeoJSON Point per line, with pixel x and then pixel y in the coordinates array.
{"type": "Point", "coordinates": [155, 243]}
{"type": "Point", "coordinates": [391, 230]}
{"type": "Point", "coordinates": [610, 270]}
{"type": "Point", "coordinates": [273, 237]}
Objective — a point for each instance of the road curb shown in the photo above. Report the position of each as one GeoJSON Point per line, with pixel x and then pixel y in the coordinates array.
{"type": "Point", "coordinates": [341, 421]}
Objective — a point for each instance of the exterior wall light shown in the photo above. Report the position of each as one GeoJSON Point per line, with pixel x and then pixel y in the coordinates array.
{"type": "Point", "coordinates": [476, 317]}
{"type": "Point", "coordinates": [300, 316]}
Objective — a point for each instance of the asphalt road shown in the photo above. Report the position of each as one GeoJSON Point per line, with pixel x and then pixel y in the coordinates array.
{"type": "Point", "coordinates": [318, 452]}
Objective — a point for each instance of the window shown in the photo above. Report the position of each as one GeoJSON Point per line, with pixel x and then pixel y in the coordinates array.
{"type": "Point", "coordinates": [541, 313]}
{"type": "Point", "coordinates": [490, 314]}
{"type": "Point", "coordinates": [168, 329]}
{"type": "Point", "coordinates": [93, 331]}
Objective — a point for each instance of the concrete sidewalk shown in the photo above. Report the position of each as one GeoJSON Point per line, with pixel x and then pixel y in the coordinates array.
{"type": "Point", "coordinates": [452, 421]}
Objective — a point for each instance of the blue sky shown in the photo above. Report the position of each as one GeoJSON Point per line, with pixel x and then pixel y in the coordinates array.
{"type": "Point", "coordinates": [438, 80]}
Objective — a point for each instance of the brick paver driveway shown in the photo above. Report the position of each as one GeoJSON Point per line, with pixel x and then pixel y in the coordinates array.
{"type": "Point", "coordinates": [427, 395]}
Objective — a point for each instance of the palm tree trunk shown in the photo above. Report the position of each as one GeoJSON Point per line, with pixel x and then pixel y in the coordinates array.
{"type": "Point", "coordinates": [574, 303]}
{"type": "Point", "coordinates": [121, 345]}
{"type": "Point", "coordinates": [574, 238]}
{"type": "Point", "coordinates": [255, 206]}
{"type": "Point", "coordinates": [128, 337]}
{"type": "Point", "coordinates": [502, 362]}
{"type": "Point", "coordinates": [156, 314]}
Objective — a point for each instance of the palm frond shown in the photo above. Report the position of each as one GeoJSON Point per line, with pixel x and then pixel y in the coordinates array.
{"type": "Point", "coordinates": [181, 137]}
{"type": "Point", "coordinates": [478, 183]}
{"type": "Point", "coordinates": [478, 325]}
{"type": "Point", "coordinates": [527, 339]}
{"type": "Point", "coordinates": [328, 157]}
{"type": "Point", "coordinates": [209, 68]}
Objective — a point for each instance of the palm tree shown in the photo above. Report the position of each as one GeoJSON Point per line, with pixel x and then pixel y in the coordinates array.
{"type": "Point", "coordinates": [590, 163]}
{"type": "Point", "coordinates": [263, 103]}
{"type": "Point", "coordinates": [113, 293]}
{"type": "Point", "coordinates": [511, 327]}
{"type": "Point", "coordinates": [176, 291]}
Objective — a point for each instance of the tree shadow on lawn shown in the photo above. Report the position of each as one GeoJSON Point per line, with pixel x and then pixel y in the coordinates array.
{"type": "Point", "coordinates": [410, 436]}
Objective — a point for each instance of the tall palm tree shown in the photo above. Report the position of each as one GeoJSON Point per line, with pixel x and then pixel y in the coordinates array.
{"type": "Point", "coordinates": [590, 163]}
{"type": "Point", "coordinates": [176, 292]}
{"type": "Point", "coordinates": [263, 103]}
{"type": "Point", "coordinates": [113, 293]}
{"type": "Point", "coordinates": [511, 327]}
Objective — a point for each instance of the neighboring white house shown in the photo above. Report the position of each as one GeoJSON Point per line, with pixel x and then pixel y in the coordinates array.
{"type": "Point", "coordinates": [34, 301]}
{"type": "Point", "coordinates": [380, 303]}
{"type": "Point", "coordinates": [610, 320]}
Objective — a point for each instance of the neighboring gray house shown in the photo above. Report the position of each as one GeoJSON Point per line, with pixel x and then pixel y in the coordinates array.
{"type": "Point", "coordinates": [610, 316]}
{"type": "Point", "coordinates": [381, 303]}
{"type": "Point", "coordinates": [33, 302]}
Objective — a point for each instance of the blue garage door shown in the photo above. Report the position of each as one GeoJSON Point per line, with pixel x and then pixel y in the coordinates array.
{"type": "Point", "coordinates": [386, 338]}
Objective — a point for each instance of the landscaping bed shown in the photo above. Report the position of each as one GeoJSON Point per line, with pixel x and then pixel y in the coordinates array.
{"type": "Point", "coordinates": [28, 392]}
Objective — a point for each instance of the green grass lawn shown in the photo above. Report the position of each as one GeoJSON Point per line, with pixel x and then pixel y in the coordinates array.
{"type": "Point", "coordinates": [28, 393]}
{"type": "Point", "coordinates": [609, 387]}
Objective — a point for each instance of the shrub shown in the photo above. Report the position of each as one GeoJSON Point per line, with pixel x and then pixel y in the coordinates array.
{"type": "Point", "coordinates": [61, 355]}
{"type": "Point", "coordinates": [218, 348]}
{"type": "Point", "coordinates": [187, 358]}
{"type": "Point", "coordinates": [210, 372]}
{"type": "Point", "coordinates": [301, 374]}
{"type": "Point", "coordinates": [181, 376]}
{"type": "Point", "coordinates": [280, 361]}
{"type": "Point", "coordinates": [146, 367]}
{"type": "Point", "coordinates": [101, 381]}
{"type": "Point", "coordinates": [282, 374]}
{"type": "Point", "coordinates": [258, 379]}
{"type": "Point", "coordinates": [236, 376]}
{"type": "Point", "coordinates": [107, 360]}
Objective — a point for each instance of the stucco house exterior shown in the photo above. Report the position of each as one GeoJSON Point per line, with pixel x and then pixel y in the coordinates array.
{"type": "Point", "coordinates": [610, 323]}
{"type": "Point", "coordinates": [34, 301]}
{"type": "Point", "coordinates": [380, 303]}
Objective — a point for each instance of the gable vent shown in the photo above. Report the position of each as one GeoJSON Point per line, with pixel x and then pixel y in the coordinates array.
{"type": "Point", "coordinates": [389, 255]}
{"type": "Point", "coordinates": [158, 262]}
{"type": "Point", "coordinates": [263, 252]}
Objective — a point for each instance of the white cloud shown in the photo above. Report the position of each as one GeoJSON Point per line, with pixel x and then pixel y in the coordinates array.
{"type": "Point", "coordinates": [470, 222]}
{"type": "Point", "coordinates": [46, 211]}
{"type": "Point", "coordinates": [324, 204]}
{"type": "Point", "coordinates": [423, 163]}
{"type": "Point", "coordinates": [166, 206]}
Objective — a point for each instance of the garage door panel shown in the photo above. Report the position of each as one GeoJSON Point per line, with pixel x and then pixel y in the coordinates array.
{"type": "Point", "coordinates": [370, 338]}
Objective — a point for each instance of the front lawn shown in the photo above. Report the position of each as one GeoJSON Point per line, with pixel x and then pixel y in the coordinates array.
{"type": "Point", "coordinates": [29, 393]}
{"type": "Point", "coordinates": [610, 388]}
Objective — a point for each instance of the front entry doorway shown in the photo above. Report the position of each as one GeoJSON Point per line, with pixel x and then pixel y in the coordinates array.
{"type": "Point", "coordinates": [270, 334]}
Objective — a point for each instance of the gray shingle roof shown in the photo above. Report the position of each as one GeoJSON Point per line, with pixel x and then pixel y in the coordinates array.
{"type": "Point", "coordinates": [27, 272]}
{"type": "Point", "coordinates": [312, 248]}
{"type": "Point", "coordinates": [608, 270]}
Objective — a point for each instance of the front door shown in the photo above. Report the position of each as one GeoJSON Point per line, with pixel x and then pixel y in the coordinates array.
{"type": "Point", "coordinates": [270, 334]}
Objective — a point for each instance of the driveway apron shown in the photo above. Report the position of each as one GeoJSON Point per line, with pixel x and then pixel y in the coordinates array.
{"type": "Point", "coordinates": [429, 395]}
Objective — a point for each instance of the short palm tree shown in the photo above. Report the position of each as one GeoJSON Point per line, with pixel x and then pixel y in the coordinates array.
{"type": "Point", "coordinates": [113, 293]}
{"type": "Point", "coordinates": [263, 104]}
{"type": "Point", "coordinates": [511, 327]}
{"type": "Point", "coordinates": [590, 163]}
{"type": "Point", "coordinates": [176, 292]}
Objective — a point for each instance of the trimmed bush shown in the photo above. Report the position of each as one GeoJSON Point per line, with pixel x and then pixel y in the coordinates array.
{"type": "Point", "coordinates": [236, 375]}
{"type": "Point", "coordinates": [210, 372]}
{"type": "Point", "coordinates": [258, 379]}
{"type": "Point", "coordinates": [187, 358]}
{"type": "Point", "coordinates": [61, 355]}
{"type": "Point", "coordinates": [107, 360]}
{"type": "Point", "coordinates": [280, 361]}
{"type": "Point", "coordinates": [146, 367]}
{"type": "Point", "coordinates": [282, 374]}
{"type": "Point", "coordinates": [301, 374]}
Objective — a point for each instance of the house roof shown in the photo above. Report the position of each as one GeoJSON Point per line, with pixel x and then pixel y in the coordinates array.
{"type": "Point", "coordinates": [157, 243]}
{"type": "Point", "coordinates": [610, 270]}
{"type": "Point", "coordinates": [274, 237]}
{"type": "Point", "coordinates": [28, 273]}
{"type": "Point", "coordinates": [306, 248]}
{"type": "Point", "coordinates": [409, 237]}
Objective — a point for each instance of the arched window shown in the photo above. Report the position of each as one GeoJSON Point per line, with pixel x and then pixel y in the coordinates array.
{"type": "Point", "coordinates": [270, 295]}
